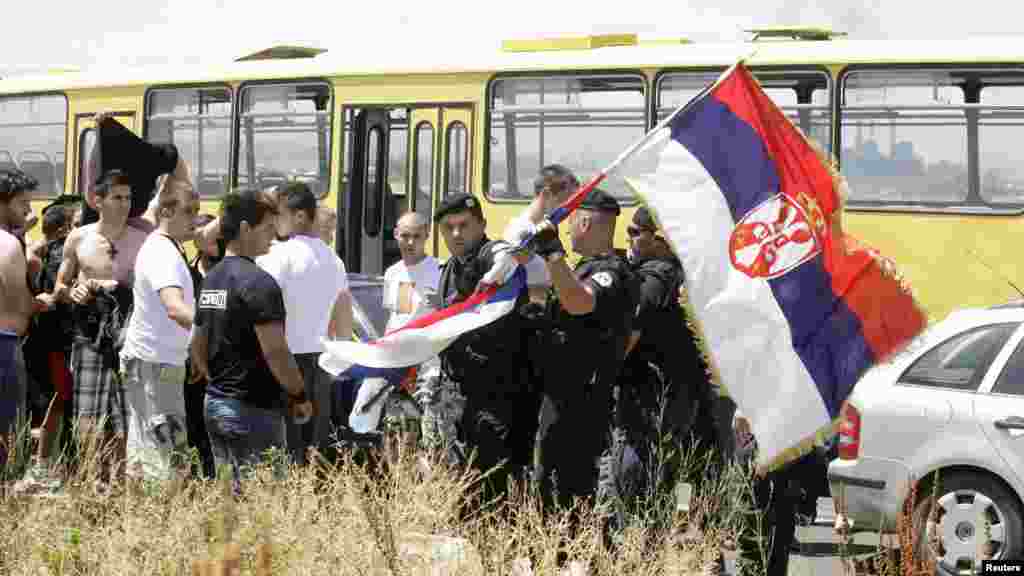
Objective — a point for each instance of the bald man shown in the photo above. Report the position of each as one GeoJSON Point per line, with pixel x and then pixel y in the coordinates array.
{"type": "Point", "coordinates": [410, 291]}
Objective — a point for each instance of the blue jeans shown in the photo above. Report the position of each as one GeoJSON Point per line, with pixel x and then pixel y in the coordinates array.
{"type": "Point", "coordinates": [240, 433]}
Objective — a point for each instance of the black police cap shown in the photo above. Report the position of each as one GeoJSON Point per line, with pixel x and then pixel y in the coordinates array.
{"type": "Point", "coordinates": [458, 203]}
{"type": "Point", "coordinates": [601, 201]}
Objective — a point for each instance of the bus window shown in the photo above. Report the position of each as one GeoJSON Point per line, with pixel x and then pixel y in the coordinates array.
{"type": "Point", "coordinates": [803, 95]}
{"type": "Point", "coordinates": [458, 159]}
{"type": "Point", "coordinates": [398, 154]}
{"type": "Point", "coordinates": [583, 122]}
{"type": "Point", "coordinates": [32, 132]}
{"type": "Point", "coordinates": [198, 122]}
{"type": "Point", "coordinates": [285, 135]}
{"type": "Point", "coordinates": [424, 175]}
{"type": "Point", "coordinates": [938, 138]}
{"type": "Point", "coordinates": [373, 192]}
{"type": "Point", "coordinates": [1000, 160]}
{"type": "Point", "coordinates": [86, 143]}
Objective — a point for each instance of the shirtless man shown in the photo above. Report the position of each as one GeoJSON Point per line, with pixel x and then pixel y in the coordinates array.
{"type": "Point", "coordinates": [15, 297]}
{"type": "Point", "coordinates": [96, 276]}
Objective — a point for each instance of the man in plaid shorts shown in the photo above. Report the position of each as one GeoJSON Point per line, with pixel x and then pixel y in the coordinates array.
{"type": "Point", "coordinates": [96, 276]}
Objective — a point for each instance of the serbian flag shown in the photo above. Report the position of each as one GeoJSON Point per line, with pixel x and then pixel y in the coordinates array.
{"type": "Point", "coordinates": [423, 338]}
{"type": "Point", "coordinates": [793, 311]}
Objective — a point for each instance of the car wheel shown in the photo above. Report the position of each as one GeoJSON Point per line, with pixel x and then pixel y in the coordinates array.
{"type": "Point", "coordinates": [974, 517]}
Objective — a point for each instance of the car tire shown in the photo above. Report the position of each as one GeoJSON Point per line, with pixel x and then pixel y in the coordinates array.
{"type": "Point", "coordinates": [1001, 504]}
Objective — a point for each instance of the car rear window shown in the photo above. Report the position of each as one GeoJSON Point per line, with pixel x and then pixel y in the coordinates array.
{"type": "Point", "coordinates": [960, 362]}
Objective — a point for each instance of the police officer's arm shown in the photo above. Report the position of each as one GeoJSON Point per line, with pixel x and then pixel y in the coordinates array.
{"type": "Point", "coordinates": [652, 291]}
{"type": "Point", "coordinates": [577, 298]}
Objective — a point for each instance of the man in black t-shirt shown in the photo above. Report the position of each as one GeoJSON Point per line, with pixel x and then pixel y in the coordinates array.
{"type": "Point", "coordinates": [240, 345]}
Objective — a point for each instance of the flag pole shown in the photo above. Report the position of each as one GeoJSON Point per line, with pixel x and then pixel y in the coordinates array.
{"type": "Point", "coordinates": [570, 205]}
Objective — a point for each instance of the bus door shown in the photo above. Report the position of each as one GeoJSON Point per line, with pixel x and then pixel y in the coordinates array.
{"type": "Point", "coordinates": [440, 161]}
{"type": "Point", "coordinates": [402, 158]}
{"type": "Point", "coordinates": [85, 142]}
{"type": "Point", "coordinates": [369, 194]}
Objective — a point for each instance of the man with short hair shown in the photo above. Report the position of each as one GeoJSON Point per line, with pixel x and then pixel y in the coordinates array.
{"type": "Point", "coordinates": [664, 379]}
{"type": "Point", "coordinates": [15, 298]}
{"type": "Point", "coordinates": [207, 256]}
{"type": "Point", "coordinates": [156, 343]}
{"type": "Point", "coordinates": [592, 319]}
{"type": "Point", "coordinates": [48, 345]}
{"type": "Point", "coordinates": [487, 365]}
{"type": "Point", "coordinates": [240, 343]}
{"type": "Point", "coordinates": [410, 291]}
{"type": "Point", "coordinates": [96, 276]}
{"type": "Point", "coordinates": [411, 284]}
{"type": "Point", "coordinates": [552, 186]}
{"type": "Point", "coordinates": [314, 281]}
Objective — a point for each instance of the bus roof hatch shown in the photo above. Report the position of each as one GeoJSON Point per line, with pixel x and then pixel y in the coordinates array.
{"type": "Point", "coordinates": [794, 33]}
{"type": "Point", "coordinates": [282, 52]}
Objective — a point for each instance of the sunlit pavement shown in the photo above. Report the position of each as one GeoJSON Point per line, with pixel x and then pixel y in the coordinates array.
{"type": "Point", "coordinates": [819, 546]}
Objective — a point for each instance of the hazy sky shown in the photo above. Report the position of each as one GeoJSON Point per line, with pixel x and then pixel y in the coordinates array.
{"type": "Point", "coordinates": [109, 32]}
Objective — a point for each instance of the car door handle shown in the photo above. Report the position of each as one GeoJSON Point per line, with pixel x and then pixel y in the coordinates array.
{"type": "Point", "coordinates": [1011, 423]}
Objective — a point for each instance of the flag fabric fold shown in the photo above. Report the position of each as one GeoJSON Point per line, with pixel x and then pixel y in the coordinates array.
{"type": "Point", "coordinates": [425, 337]}
{"type": "Point", "coordinates": [793, 311]}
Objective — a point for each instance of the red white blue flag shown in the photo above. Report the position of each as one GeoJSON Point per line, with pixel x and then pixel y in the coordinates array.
{"type": "Point", "coordinates": [793, 311]}
{"type": "Point", "coordinates": [423, 338]}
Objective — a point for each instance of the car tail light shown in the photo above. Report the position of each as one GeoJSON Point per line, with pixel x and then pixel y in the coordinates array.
{"type": "Point", "coordinates": [849, 433]}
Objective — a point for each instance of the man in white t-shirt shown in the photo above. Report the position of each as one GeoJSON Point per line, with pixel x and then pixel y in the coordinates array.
{"type": "Point", "coordinates": [410, 285]}
{"type": "Point", "coordinates": [552, 186]}
{"type": "Point", "coordinates": [317, 303]}
{"type": "Point", "coordinates": [156, 342]}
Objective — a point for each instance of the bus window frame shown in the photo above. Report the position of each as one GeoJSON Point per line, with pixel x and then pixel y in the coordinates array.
{"type": "Point", "coordinates": [973, 209]}
{"type": "Point", "coordinates": [831, 83]}
{"type": "Point", "coordinates": [645, 90]}
{"type": "Point", "coordinates": [330, 108]}
{"type": "Point", "coordinates": [466, 159]}
{"type": "Point", "coordinates": [67, 122]}
{"type": "Point", "coordinates": [233, 121]}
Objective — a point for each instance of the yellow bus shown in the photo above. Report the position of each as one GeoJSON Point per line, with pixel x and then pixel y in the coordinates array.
{"type": "Point", "coordinates": [924, 131]}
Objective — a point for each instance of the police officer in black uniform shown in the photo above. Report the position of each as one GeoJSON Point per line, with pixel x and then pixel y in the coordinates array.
{"type": "Point", "coordinates": [592, 320]}
{"type": "Point", "coordinates": [498, 422]}
{"type": "Point", "coordinates": [665, 378]}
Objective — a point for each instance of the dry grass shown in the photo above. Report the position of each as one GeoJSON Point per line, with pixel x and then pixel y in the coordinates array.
{"type": "Point", "coordinates": [401, 515]}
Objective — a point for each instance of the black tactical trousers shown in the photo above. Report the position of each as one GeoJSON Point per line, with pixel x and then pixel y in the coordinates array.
{"type": "Point", "coordinates": [770, 523]}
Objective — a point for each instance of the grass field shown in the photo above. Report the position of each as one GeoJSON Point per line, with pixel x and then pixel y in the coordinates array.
{"type": "Point", "coordinates": [408, 516]}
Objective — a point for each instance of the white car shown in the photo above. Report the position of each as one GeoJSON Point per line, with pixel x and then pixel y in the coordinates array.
{"type": "Point", "coordinates": [951, 404]}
